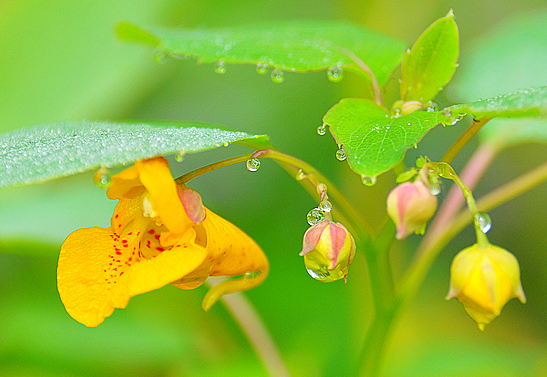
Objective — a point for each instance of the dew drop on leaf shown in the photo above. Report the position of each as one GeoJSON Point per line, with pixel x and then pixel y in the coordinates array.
{"type": "Point", "coordinates": [485, 223]}
{"type": "Point", "coordinates": [315, 216]}
{"type": "Point", "coordinates": [397, 112]}
{"type": "Point", "coordinates": [335, 74]}
{"type": "Point", "coordinates": [253, 164]}
{"type": "Point", "coordinates": [322, 130]}
{"type": "Point", "coordinates": [341, 154]}
{"type": "Point", "coordinates": [101, 178]}
{"type": "Point", "coordinates": [431, 106]}
{"type": "Point", "coordinates": [220, 67]}
{"type": "Point", "coordinates": [277, 76]}
{"type": "Point", "coordinates": [160, 57]}
{"type": "Point", "coordinates": [261, 68]}
{"type": "Point", "coordinates": [368, 181]}
{"type": "Point", "coordinates": [179, 157]}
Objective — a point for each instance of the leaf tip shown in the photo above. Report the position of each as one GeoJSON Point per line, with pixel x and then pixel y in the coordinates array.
{"type": "Point", "coordinates": [129, 31]}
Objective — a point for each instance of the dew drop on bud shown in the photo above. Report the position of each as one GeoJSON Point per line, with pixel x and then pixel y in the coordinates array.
{"type": "Point", "coordinates": [253, 164]}
{"type": "Point", "coordinates": [325, 206]}
{"type": "Point", "coordinates": [315, 216]}
{"type": "Point", "coordinates": [322, 130]}
{"type": "Point", "coordinates": [318, 275]}
{"type": "Point", "coordinates": [335, 74]}
{"type": "Point", "coordinates": [101, 178]}
{"type": "Point", "coordinates": [435, 188]}
{"type": "Point", "coordinates": [179, 157]}
{"type": "Point", "coordinates": [300, 175]}
{"type": "Point", "coordinates": [368, 181]}
{"type": "Point", "coordinates": [261, 68]}
{"type": "Point", "coordinates": [220, 67]}
{"type": "Point", "coordinates": [341, 154]}
{"type": "Point", "coordinates": [277, 76]}
{"type": "Point", "coordinates": [485, 223]}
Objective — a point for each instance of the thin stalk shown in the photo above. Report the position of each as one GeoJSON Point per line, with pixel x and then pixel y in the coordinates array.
{"type": "Point", "coordinates": [364, 67]}
{"type": "Point", "coordinates": [456, 148]}
{"type": "Point", "coordinates": [428, 252]}
{"type": "Point", "coordinates": [246, 316]}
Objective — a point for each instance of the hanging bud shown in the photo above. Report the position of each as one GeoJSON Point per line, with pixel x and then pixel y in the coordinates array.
{"type": "Point", "coordinates": [483, 279]}
{"type": "Point", "coordinates": [328, 251]}
{"type": "Point", "coordinates": [191, 202]}
{"type": "Point", "coordinates": [410, 205]}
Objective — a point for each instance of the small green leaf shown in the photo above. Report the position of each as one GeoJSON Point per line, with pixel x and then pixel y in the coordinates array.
{"type": "Point", "coordinates": [375, 142]}
{"type": "Point", "coordinates": [297, 46]}
{"type": "Point", "coordinates": [38, 154]}
{"type": "Point", "coordinates": [522, 103]}
{"type": "Point", "coordinates": [432, 61]}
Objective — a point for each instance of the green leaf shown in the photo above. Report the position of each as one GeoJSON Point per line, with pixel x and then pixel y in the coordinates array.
{"type": "Point", "coordinates": [432, 61]}
{"type": "Point", "coordinates": [38, 154]}
{"type": "Point", "coordinates": [522, 103]}
{"type": "Point", "coordinates": [375, 142]}
{"type": "Point", "coordinates": [297, 46]}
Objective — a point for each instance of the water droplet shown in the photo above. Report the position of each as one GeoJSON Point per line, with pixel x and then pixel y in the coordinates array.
{"type": "Point", "coordinates": [220, 67]}
{"type": "Point", "coordinates": [435, 188]}
{"type": "Point", "coordinates": [459, 117]}
{"type": "Point", "coordinates": [485, 223]}
{"type": "Point", "coordinates": [277, 76]}
{"type": "Point", "coordinates": [262, 68]}
{"type": "Point", "coordinates": [325, 206]}
{"type": "Point", "coordinates": [160, 57]}
{"type": "Point", "coordinates": [335, 74]}
{"type": "Point", "coordinates": [179, 157]}
{"type": "Point", "coordinates": [318, 275]}
{"type": "Point", "coordinates": [101, 178]}
{"type": "Point", "coordinates": [447, 113]}
{"type": "Point", "coordinates": [253, 164]}
{"type": "Point", "coordinates": [396, 112]}
{"type": "Point", "coordinates": [322, 130]}
{"type": "Point", "coordinates": [300, 175]}
{"type": "Point", "coordinates": [368, 181]}
{"type": "Point", "coordinates": [431, 106]}
{"type": "Point", "coordinates": [341, 154]}
{"type": "Point", "coordinates": [315, 216]}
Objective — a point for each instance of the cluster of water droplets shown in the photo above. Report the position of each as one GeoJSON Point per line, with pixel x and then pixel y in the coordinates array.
{"type": "Point", "coordinates": [318, 214]}
{"type": "Point", "coordinates": [451, 118]}
{"type": "Point", "coordinates": [253, 164]}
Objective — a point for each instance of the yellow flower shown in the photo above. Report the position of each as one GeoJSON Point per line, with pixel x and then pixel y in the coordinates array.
{"type": "Point", "coordinates": [410, 206]}
{"type": "Point", "coordinates": [483, 279]}
{"type": "Point", "coordinates": [160, 233]}
{"type": "Point", "coordinates": [328, 250]}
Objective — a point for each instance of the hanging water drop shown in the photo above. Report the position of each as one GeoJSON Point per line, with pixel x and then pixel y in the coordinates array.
{"type": "Point", "coordinates": [435, 188]}
{"type": "Point", "coordinates": [300, 175]}
{"type": "Point", "coordinates": [397, 112]}
{"type": "Point", "coordinates": [220, 67]}
{"type": "Point", "coordinates": [341, 154]}
{"type": "Point", "coordinates": [318, 275]}
{"type": "Point", "coordinates": [431, 106]}
{"type": "Point", "coordinates": [315, 216]}
{"type": "Point", "coordinates": [485, 223]}
{"type": "Point", "coordinates": [368, 181]}
{"type": "Point", "coordinates": [322, 130]}
{"type": "Point", "coordinates": [253, 164]}
{"type": "Point", "coordinates": [179, 157]}
{"type": "Point", "coordinates": [160, 57]}
{"type": "Point", "coordinates": [325, 206]}
{"type": "Point", "coordinates": [335, 74]}
{"type": "Point", "coordinates": [101, 178]}
{"type": "Point", "coordinates": [277, 76]}
{"type": "Point", "coordinates": [261, 68]}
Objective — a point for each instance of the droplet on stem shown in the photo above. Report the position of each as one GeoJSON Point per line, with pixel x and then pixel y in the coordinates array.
{"type": "Point", "coordinates": [325, 206]}
{"type": "Point", "coordinates": [485, 223]}
{"type": "Point", "coordinates": [315, 216]}
{"type": "Point", "coordinates": [300, 175]}
{"type": "Point", "coordinates": [253, 164]}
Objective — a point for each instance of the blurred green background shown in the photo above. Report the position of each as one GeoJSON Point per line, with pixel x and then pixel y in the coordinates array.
{"type": "Point", "coordinates": [61, 61]}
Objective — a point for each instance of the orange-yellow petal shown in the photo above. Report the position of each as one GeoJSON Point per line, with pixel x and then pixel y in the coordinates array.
{"type": "Point", "coordinates": [158, 181]}
{"type": "Point", "coordinates": [99, 271]}
{"type": "Point", "coordinates": [122, 182]}
{"type": "Point", "coordinates": [127, 209]}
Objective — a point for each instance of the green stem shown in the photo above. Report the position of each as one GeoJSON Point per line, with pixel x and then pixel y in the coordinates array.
{"type": "Point", "coordinates": [428, 251]}
{"type": "Point", "coordinates": [353, 220]}
{"type": "Point", "coordinates": [456, 148]}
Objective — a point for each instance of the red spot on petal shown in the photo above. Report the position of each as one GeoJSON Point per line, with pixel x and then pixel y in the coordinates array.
{"type": "Point", "coordinates": [160, 249]}
{"type": "Point", "coordinates": [151, 231]}
{"type": "Point", "coordinates": [157, 236]}
{"type": "Point", "coordinates": [117, 216]}
{"type": "Point", "coordinates": [125, 245]}
{"type": "Point", "coordinates": [121, 273]}
{"type": "Point", "coordinates": [118, 253]}
{"type": "Point", "coordinates": [124, 241]}
{"type": "Point", "coordinates": [130, 233]}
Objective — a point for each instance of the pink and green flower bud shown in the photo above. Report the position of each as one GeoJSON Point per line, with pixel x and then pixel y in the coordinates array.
{"type": "Point", "coordinates": [411, 205]}
{"type": "Point", "coordinates": [483, 279]}
{"type": "Point", "coordinates": [328, 250]}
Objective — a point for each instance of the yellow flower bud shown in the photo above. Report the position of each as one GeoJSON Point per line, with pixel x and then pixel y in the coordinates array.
{"type": "Point", "coordinates": [328, 251]}
{"type": "Point", "coordinates": [483, 279]}
{"type": "Point", "coordinates": [410, 205]}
